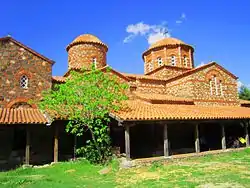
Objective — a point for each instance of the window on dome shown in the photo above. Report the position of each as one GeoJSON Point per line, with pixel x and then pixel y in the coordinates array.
{"type": "Point", "coordinates": [173, 60]}
{"type": "Point", "coordinates": [24, 81]}
{"type": "Point", "coordinates": [94, 62]}
{"type": "Point", "coordinates": [160, 62]}
{"type": "Point", "coordinates": [185, 61]}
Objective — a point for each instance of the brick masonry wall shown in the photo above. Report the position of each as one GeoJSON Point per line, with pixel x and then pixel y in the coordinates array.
{"type": "Point", "coordinates": [180, 88]}
{"type": "Point", "coordinates": [167, 72]}
{"type": "Point", "coordinates": [16, 62]}
{"type": "Point", "coordinates": [197, 87]}
{"type": "Point", "coordinates": [165, 53]}
{"type": "Point", "coordinates": [149, 86]}
{"type": "Point", "coordinates": [81, 55]}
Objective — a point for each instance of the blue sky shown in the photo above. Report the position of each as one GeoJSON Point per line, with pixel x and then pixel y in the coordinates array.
{"type": "Point", "coordinates": [218, 30]}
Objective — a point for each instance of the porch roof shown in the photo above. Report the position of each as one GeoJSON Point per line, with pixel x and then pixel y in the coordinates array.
{"type": "Point", "coordinates": [137, 110]}
{"type": "Point", "coordinates": [22, 116]}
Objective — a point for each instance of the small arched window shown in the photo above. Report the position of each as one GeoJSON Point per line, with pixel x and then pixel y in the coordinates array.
{"type": "Point", "coordinates": [94, 62]}
{"type": "Point", "coordinates": [160, 62]}
{"type": "Point", "coordinates": [173, 60]}
{"type": "Point", "coordinates": [24, 82]}
{"type": "Point", "coordinates": [185, 61]}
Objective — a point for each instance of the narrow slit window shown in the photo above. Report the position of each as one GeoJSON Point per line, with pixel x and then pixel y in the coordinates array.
{"type": "Point", "coordinates": [94, 62]}
{"type": "Point", "coordinates": [24, 81]}
{"type": "Point", "coordinates": [221, 88]}
{"type": "Point", "coordinates": [211, 86]}
{"type": "Point", "coordinates": [173, 60]}
{"type": "Point", "coordinates": [185, 61]}
{"type": "Point", "coordinates": [160, 62]}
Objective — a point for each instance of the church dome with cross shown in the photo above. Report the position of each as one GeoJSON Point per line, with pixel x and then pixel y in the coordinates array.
{"type": "Point", "coordinates": [170, 52]}
{"type": "Point", "coordinates": [86, 50]}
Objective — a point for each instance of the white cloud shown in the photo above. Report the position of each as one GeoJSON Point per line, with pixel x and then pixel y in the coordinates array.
{"type": "Point", "coordinates": [153, 33]}
{"type": "Point", "coordinates": [182, 18]}
{"type": "Point", "coordinates": [239, 84]}
{"type": "Point", "coordinates": [201, 64]}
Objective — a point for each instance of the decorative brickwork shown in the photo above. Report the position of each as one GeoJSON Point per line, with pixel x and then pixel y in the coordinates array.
{"type": "Point", "coordinates": [85, 51]}
{"type": "Point", "coordinates": [169, 51]}
{"type": "Point", "coordinates": [16, 61]}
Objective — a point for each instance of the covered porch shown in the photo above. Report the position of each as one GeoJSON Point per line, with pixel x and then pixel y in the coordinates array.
{"type": "Point", "coordinates": [165, 130]}
{"type": "Point", "coordinates": [27, 137]}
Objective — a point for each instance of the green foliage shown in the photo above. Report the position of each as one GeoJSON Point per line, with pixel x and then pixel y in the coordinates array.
{"type": "Point", "coordinates": [244, 93]}
{"type": "Point", "coordinates": [86, 99]}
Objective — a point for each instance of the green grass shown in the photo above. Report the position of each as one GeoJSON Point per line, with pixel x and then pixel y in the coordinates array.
{"type": "Point", "coordinates": [223, 170]}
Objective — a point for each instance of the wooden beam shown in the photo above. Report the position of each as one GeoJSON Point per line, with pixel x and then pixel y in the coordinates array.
{"type": "Point", "coordinates": [223, 137]}
{"type": "Point", "coordinates": [127, 142]}
{"type": "Point", "coordinates": [247, 134]}
{"type": "Point", "coordinates": [27, 149]}
{"type": "Point", "coordinates": [166, 144]}
{"type": "Point", "coordinates": [56, 144]}
{"type": "Point", "coordinates": [197, 139]}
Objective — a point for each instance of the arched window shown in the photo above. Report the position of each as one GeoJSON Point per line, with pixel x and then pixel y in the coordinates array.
{"type": "Point", "coordinates": [94, 62]}
{"type": "Point", "coordinates": [24, 81]}
{"type": "Point", "coordinates": [160, 62]}
{"type": "Point", "coordinates": [216, 86]}
{"type": "Point", "coordinates": [173, 60]}
{"type": "Point", "coordinates": [185, 61]}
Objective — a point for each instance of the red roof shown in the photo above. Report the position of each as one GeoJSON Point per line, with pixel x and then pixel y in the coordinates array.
{"type": "Point", "coordinates": [22, 116]}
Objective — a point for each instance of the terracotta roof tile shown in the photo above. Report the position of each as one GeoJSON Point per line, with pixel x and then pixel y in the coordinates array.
{"type": "Point", "coordinates": [137, 111]}
{"type": "Point", "coordinates": [21, 116]}
{"type": "Point", "coordinates": [162, 98]}
{"type": "Point", "coordinates": [60, 79]}
{"type": "Point", "coordinates": [86, 38]}
{"type": "Point", "coordinates": [142, 76]}
{"type": "Point", "coordinates": [244, 101]}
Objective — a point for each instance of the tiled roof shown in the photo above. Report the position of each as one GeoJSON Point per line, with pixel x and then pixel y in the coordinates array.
{"type": "Point", "coordinates": [162, 98]}
{"type": "Point", "coordinates": [244, 101]}
{"type": "Point", "coordinates": [21, 116]}
{"type": "Point", "coordinates": [60, 79]}
{"type": "Point", "coordinates": [27, 48]}
{"type": "Point", "coordinates": [142, 76]}
{"type": "Point", "coordinates": [86, 38]}
{"type": "Point", "coordinates": [166, 41]}
{"type": "Point", "coordinates": [137, 110]}
{"type": "Point", "coordinates": [189, 72]}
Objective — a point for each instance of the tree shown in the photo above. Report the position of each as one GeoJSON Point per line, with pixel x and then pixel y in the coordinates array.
{"type": "Point", "coordinates": [86, 99]}
{"type": "Point", "coordinates": [244, 93]}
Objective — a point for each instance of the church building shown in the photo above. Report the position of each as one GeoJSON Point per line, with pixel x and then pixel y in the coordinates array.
{"type": "Point", "coordinates": [173, 108]}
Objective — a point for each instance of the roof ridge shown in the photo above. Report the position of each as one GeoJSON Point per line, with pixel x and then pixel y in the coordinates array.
{"type": "Point", "coordinates": [28, 48]}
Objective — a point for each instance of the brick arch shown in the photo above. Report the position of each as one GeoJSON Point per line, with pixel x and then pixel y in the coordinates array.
{"type": "Point", "coordinates": [212, 72]}
{"type": "Point", "coordinates": [21, 72]}
{"type": "Point", "coordinates": [19, 100]}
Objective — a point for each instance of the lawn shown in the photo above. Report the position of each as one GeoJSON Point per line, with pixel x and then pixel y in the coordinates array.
{"type": "Point", "coordinates": [222, 170]}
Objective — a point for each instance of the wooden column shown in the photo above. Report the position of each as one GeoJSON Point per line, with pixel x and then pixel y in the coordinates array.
{"type": "Point", "coordinates": [27, 149]}
{"type": "Point", "coordinates": [223, 137]}
{"type": "Point", "coordinates": [247, 134]}
{"type": "Point", "coordinates": [56, 144]}
{"type": "Point", "coordinates": [197, 139]}
{"type": "Point", "coordinates": [127, 142]}
{"type": "Point", "coordinates": [166, 145]}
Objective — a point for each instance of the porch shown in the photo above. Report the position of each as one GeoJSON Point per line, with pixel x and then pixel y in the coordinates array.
{"type": "Point", "coordinates": [143, 139]}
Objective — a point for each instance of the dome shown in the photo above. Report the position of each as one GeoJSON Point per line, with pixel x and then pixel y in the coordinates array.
{"type": "Point", "coordinates": [167, 41]}
{"type": "Point", "coordinates": [86, 38]}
